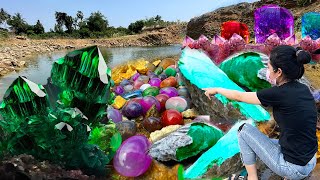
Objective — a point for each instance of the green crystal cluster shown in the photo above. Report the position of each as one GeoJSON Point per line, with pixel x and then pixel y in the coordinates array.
{"type": "Point", "coordinates": [85, 80]}
{"type": "Point", "coordinates": [62, 133]}
{"type": "Point", "coordinates": [23, 98]}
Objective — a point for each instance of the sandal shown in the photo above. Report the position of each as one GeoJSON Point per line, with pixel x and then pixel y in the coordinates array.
{"type": "Point", "coordinates": [243, 175]}
{"type": "Point", "coordinates": [237, 177]}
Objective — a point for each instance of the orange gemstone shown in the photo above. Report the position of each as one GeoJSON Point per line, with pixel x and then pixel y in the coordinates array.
{"type": "Point", "coordinates": [169, 82]}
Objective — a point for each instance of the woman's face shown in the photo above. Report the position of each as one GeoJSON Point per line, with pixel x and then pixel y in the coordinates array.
{"type": "Point", "coordinates": [274, 75]}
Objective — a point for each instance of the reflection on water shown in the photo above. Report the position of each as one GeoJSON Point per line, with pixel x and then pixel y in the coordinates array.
{"type": "Point", "coordinates": [39, 68]}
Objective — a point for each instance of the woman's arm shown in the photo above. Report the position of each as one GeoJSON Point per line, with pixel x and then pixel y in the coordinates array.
{"type": "Point", "coordinates": [247, 97]}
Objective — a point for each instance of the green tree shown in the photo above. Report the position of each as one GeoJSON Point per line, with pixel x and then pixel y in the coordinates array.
{"type": "Point", "coordinates": [80, 15]}
{"type": "Point", "coordinates": [97, 22]}
{"type": "Point", "coordinates": [136, 27]}
{"type": "Point", "coordinates": [60, 18]}
{"type": "Point", "coordinates": [58, 28]}
{"type": "Point", "coordinates": [78, 20]}
{"type": "Point", "coordinates": [38, 28]}
{"type": "Point", "coordinates": [4, 16]}
{"type": "Point", "coordinates": [63, 19]}
{"type": "Point", "coordinates": [68, 23]}
{"type": "Point", "coordinates": [158, 18]}
{"type": "Point", "coordinates": [17, 24]}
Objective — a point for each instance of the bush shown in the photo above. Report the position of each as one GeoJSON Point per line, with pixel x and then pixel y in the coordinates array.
{"type": "Point", "coordinates": [4, 34]}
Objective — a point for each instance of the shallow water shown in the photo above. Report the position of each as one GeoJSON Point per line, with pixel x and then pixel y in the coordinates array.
{"type": "Point", "coordinates": [39, 66]}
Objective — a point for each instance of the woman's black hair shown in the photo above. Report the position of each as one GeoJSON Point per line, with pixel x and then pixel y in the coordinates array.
{"type": "Point", "coordinates": [290, 60]}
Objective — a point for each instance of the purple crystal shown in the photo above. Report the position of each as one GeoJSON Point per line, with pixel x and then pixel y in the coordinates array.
{"type": "Point", "coordinates": [272, 19]}
{"type": "Point", "coordinates": [203, 40]}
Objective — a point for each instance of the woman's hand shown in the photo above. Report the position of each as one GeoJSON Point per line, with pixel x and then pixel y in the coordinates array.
{"type": "Point", "coordinates": [210, 91]}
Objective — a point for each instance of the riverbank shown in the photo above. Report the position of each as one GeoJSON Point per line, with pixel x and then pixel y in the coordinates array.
{"type": "Point", "coordinates": [15, 51]}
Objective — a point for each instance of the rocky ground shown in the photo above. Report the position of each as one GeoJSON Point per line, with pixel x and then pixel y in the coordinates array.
{"type": "Point", "coordinates": [13, 51]}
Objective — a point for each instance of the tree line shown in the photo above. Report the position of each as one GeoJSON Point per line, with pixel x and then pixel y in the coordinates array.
{"type": "Point", "coordinates": [94, 26]}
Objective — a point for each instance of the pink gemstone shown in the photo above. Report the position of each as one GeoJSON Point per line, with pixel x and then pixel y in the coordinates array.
{"type": "Point", "coordinates": [237, 43]}
{"type": "Point", "coordinates": [272, 42]}
{"type": "Point", "coordinates": [218, 40]}
{"type": "Point", "coordinates": [290, 40]}
{"type": "Point", "coordinates": [188, 41]}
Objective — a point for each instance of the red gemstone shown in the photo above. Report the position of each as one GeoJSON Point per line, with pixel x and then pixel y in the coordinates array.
{"type": "Point", "coordinates": [171, 117]}
{"type": "Point", "coordinates": [162, 98]}
{"type": "Point", "coordinates": [230, 27]}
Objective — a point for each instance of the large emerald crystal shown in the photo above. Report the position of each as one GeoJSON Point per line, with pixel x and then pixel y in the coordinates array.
{"type": "Point", "coordinates": [85, 79]}
{"type": "Point", "coordinates": [22, 99]}
{"type": "Point", "coordinates": [53, 122]}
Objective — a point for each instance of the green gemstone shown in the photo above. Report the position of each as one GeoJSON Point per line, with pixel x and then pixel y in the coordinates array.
{"type": "Point", "coordinates": [151, 91]}
{"type": "Point", "coordinates": [170, 72]}
{"type": "Point", "coordinates": [158, 70]}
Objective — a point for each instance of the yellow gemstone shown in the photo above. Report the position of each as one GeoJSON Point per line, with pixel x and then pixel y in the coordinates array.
{"type": "Point", "coordinates": [156, 63]}
{"type": "Point", "coordinates": [119, 102]}
{"type": "Point", "coordinates": [141, 66]}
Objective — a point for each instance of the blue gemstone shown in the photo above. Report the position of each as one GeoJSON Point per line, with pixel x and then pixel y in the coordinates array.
{"type": "Point", "coordinates": [310, 25]}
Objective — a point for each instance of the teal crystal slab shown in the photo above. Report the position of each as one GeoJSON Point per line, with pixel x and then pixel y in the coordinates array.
{"type": "Point", "coordinates": [224, 149]}
{"type": "Point", "coordinates": [310, 25]}
{"type": "Point", "coordinates": [85, 79]}
{"type": "Point", "coordinates": [22, 99]}
{"type": "Point", "coordinates": [198, 68]}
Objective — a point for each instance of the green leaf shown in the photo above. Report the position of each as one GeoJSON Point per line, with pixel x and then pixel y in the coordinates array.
{"type": "Point", "coordinates": [115, 141]}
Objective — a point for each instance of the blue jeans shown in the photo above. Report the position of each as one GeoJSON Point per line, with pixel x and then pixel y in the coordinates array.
{"type": "Point", "coordinates": [254, 143]}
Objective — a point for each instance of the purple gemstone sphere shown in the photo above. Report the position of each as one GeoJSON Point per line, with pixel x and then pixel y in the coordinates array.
{"type": "Point", "coordinates": [147, 103]}
{"type": "Point", "coordinates": [131, 159]}
{"type": "Point", "coordinates": [155, 82]}
{"type": "Point", "coordinates": [114, 115]}
{"type": "Point", "coordinates": [132, 110]}
{"type": "Point", "coordinates": [170, 91]}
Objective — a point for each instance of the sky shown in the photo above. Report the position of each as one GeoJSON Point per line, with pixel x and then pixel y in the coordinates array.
{"type": "Point", "coordinates": [118, 12]}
